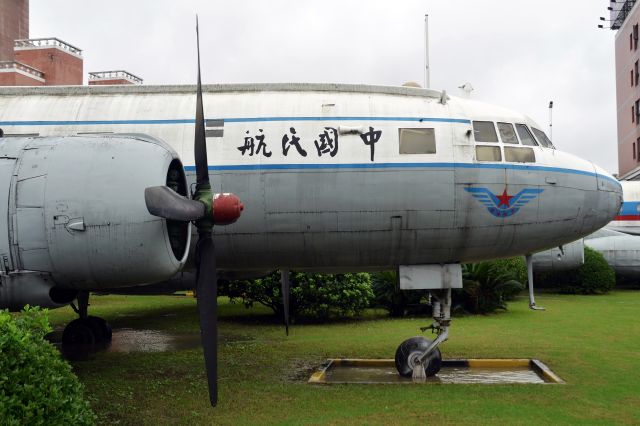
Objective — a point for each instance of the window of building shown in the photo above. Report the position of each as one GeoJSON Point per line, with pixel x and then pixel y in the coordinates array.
{"type": "Point", "coordinates": [525, 135]}
{"type": "Point", "coordinates": [637, 113]}
{"type": "Point", "coordinates": [417, 141]}
{"type": "Point", "coordinates": [519, 155]}
{"type": "Point", "coordinates": [634, 150]}
{"type": "Point", "coordinates": [507, 133]}
{"type": "Point", "coordinates": [635, 37]}
{"type": "Point", "coordinates": [633, 114]}
{"type": "Point", "coordinates": [488, 153]}
{"type": "Point", "coordinates": [630, 41]}
{"type": "Point", "coordinates": [636, 68]}
{"type": "Point", "coordinates": [484, 131]}
{"type": "Point", "coordinates": [542, 138]}
{"type": "Point", "coordinates": [632, 77]}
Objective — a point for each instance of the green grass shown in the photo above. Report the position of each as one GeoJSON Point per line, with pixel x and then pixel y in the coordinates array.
{"type": "Point", "coordinates": [592, 342]}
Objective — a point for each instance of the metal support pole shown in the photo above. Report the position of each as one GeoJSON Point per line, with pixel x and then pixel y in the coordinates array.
{"type": "Point", "coordinates": [427, 77]}
{"type": "Point", "coordinates": [532, 300]}
{"type": "Point", "coordinates": [551, 121]}
{"type": "Point", "coordinates": [83, 303]}
{"type": "Point", "coordinates": [285, 288]}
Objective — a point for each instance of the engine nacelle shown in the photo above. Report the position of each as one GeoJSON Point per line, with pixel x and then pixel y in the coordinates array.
{"type": "Point", "coordinates": [77, 212]}
{"type": "Point", "coordinates": [32, 288]}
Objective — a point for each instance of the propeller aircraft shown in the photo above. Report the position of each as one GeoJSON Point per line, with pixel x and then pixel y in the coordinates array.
{"type": "Point", "coordinates": [100, 187]}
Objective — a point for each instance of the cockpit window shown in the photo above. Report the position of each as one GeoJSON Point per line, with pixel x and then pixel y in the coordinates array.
{"type": "Point", "coordinates": [507, 133]}
{"type": "Point", "coordinates": [484, 131]}
{"type": "Point", "coordinates": [519, 155]}
{"type": "Point", "coordinates": [488, 153]}
{"type": "Point", "coordinates": [417, 141]}
{"type": "Point", "coordinates": [525, 135]}
{"type": "Point", "coordinates": [542, 138]}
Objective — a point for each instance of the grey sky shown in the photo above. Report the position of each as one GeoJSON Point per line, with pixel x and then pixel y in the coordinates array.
{"type": "Point", "coordinates": [518, 54]}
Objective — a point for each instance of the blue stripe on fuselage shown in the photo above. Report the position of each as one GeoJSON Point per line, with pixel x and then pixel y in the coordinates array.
{"type": "Point", "coordinates": [256, 167]}
{"type": "Point", "coordinates": [229, 120]}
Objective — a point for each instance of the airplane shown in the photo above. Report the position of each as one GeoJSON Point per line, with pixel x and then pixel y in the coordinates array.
{"type": "Point", "coordinates": [100, 185]}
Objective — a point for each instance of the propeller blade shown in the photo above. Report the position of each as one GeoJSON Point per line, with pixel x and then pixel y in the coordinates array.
{"type": "Point", "coordinates": [286, 285]}
{"type": "Point", "coordinates": [207, 294]}
{"type": "Point", "coordinates": [200, 142]}
{"type": "Point", "coordinates": [164, 202]}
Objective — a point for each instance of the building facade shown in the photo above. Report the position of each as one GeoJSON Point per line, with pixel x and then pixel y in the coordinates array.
{"type": "Point", "coordinates": [43, 61]}
{"type": "Point", "coordinates": [625, 17]}
{"type": "Point", "coordinates": [14, 25]}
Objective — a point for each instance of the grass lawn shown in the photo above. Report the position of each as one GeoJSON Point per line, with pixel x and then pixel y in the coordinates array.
{"type": "Point", "coordinates": [592, 342]}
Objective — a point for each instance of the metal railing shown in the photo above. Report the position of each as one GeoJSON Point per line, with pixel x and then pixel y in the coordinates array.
{"type": "Point", "coordinates": [624, 11]}
{"type": "Point", "coordinates": [114, 75]}
{"type": "Point", "coordinates": [47, 42]}
{"type": "Point", "coordinates": [22, 67]}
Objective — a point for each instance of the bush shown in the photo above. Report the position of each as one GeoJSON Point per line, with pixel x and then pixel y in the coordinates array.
{"type": "Point", "coordinates": [312, 296]}
{"type": "Point", "coordinates": [515, 266]}
{"type": "Point", "coordinates": [487, 286]}
{"type": "Point", "coordinates": [390, 297]}
{"type": "Point", "coordinates": [595, 276]}
{"type": "Point", "coordinates": [36, 385]}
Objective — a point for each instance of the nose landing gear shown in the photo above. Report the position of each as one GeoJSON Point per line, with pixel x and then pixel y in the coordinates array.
{"type": "Point", "coordinates": [86, 330]}
{"type": "Point", "coordinates": [418, 357]}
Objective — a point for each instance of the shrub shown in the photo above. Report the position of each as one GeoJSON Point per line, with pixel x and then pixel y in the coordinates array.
{"type": "Point", "coordinates": [487, 286]}
{"type": "Point", "coordinates": [36, 385]}
{"type": "Point", "coordinates": [312, 296]}
{"type": "Point", "coordinates": [390, 297]}
{"type": "Point", "coordinates": [595, 276]}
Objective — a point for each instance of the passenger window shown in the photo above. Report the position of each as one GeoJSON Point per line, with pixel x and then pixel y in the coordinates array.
{"type": "Point", "coordinates": [525, 135]}
{"type": "Point", "coordinates": [519, 155]}
{"type": "Point", "coordinates": [417, 141]}
{"type": "Point", "coordinates": [507, 133]}
{"type": "Point", "coordinates": [488, 153]}
{"type": "Point", "coordinates": [542, 138]}
{"type": "Point", "coordinates": [484, 131]}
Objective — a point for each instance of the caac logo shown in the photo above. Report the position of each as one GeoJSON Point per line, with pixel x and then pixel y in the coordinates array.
{"type": "Point", "coordinates": [504, 205]}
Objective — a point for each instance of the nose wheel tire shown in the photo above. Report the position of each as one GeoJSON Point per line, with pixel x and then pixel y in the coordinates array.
{"type": "Point", "coordinates": [408, 356]}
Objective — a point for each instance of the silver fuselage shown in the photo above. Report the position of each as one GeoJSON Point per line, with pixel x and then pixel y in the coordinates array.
{"type": "Point", "coordinates": [356, 209]}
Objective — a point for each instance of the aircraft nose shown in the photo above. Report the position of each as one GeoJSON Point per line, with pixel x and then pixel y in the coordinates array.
{"type": "Point", "coordinates": [609, 195]}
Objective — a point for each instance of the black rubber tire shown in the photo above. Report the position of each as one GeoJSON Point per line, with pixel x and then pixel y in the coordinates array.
{"type": "Point", "coordinates": [101, 329]}
{"type": "Point", "coordinates": [78, 332]}
{"type": "Point", "coordinates": [415, 345]}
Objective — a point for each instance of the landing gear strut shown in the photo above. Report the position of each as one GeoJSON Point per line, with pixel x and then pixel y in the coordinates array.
{"type": "Point", "coordinates": [418, 357]}
{"type": "Point", "coordinates": [86, 330]}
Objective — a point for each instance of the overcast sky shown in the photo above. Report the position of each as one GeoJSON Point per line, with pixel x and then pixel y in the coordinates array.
{"type": "Point", "coordinates": [518, 54]}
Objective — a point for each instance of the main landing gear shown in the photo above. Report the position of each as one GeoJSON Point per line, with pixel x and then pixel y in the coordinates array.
{"type": "Point", "coordinates": [86, 330]}
{"type": "Point", "coordinates": [418, 357]}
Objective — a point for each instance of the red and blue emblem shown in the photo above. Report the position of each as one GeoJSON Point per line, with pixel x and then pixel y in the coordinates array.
{"type": "Point", "coordinates": [504, 205]}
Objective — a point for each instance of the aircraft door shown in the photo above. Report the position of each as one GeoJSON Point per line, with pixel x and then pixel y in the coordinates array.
{"type": "Point", "coordinates": [7, 165]}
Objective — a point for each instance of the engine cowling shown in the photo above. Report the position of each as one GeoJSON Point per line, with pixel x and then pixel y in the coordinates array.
{"type": "Point", "coordinates": [570, 257]}
{"type": "Point", "coordinates": [77, 210]}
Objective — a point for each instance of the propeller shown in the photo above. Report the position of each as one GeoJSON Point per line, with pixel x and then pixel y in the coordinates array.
{"type": "Point", "coordinates": [205, 209]}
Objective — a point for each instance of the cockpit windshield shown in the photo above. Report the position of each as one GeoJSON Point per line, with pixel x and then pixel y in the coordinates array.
{"type": "Point", "coordinates": [542, 138]}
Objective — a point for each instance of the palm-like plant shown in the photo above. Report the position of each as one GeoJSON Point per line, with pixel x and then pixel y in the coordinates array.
{"type": "Point", "coordinates": [487, 286]}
